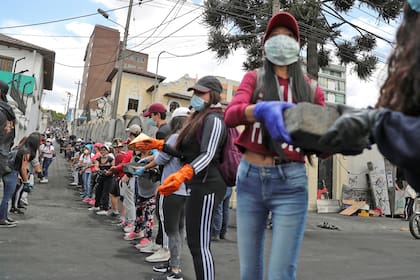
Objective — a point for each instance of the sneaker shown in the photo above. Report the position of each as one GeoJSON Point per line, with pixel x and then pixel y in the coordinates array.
{"type": "Point", "coordinates": [215, 238]}
{"type": "Point", "coordinates": [73, 184]}
{"type": "Point", "coordinates": [16, 211]}
{"type": "Point", "coordinates": [151, 247]}
{"type": "Point", "coordinates": [43, 181]}
{"type": "Point", "coordinates": [10, 220]}
{"type": "Point", "coordinates": [162, 267]}
{"type": "Point", "coordinates": [128, 228]}
{"type": "Point", "coordinates": [133, 235]}
{"type": "Point", "coordinates": [94, 208]}
{"type": "Point", "coordinates": [113, 213]}
{"type": "Point", "coordinates": [172, 276]}
{"type": "Point", "coordinates": [24, 201]}
{"type": "Point", "coordinates": [102, 213]}
{"type": "Point", "coordinates": [7, 224]}
{"type": "Point", "coordinates": [86, 199]}
{"type": "Point", "coordinates": [162, 255]}
{"type": "Point", "coordinates": [92, 202]}
{"type": "Point", "coordinates": [144, 242]}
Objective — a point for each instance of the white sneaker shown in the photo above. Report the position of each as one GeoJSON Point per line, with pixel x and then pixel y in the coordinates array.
{"type": "Point", "coordinates": [73, 184]}
{"type": "Point", "coordinates": [43, 181]}
{"type": "Point", "coordinates": [93, 208]}
{"type": "Point", "coordinates": [162, 255]}
{"type": "Point", "coordinates": [129, 228]}
{"type": "Point", "coordinates": [151, 247]}
{"type": "Point", "coordinates": [102, 213]}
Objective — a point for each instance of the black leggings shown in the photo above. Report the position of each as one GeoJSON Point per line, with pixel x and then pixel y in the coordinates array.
{"type": "Point", "coordinates": [102, 192]}
{"type": "Point", "coordinates": [17, 195]}
{"type": "Point", "coordinates": [199, 212]}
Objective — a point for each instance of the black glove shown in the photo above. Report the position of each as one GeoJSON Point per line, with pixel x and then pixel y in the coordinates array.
{"type": "Point", "coordinates": [351, 132]}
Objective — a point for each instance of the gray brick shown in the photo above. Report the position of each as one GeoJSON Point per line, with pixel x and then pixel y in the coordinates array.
{"type": "Point", "coordinates": [307, 122]}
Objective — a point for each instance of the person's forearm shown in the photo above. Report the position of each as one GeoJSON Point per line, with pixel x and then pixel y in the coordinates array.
{"type": "Point", "coordinates": [249, 114]}
{"type": "Point", "coordinates": [24, 171]}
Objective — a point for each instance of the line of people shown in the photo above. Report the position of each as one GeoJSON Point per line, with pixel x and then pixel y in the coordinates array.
{"type": "Point", "coordinates": [106, 173]}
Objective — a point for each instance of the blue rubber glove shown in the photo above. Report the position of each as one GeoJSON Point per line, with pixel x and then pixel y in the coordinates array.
{"type": "Point", "coordinates": [139, 171]}
{"type": "Point", "coordinates": [270, 113]}
{"type": "Point", "coordinates": [144, 160]}
{"type": "Point", "coordinates": [27, 187]}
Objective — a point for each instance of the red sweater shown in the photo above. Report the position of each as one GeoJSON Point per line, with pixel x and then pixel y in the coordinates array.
{"type": "Point", "coordinates": [251, 138]}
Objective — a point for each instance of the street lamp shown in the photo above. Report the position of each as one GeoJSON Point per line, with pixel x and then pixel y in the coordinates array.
{"type": "Point", "coordinates": [106, 15]}
{"type": "Point", "coordinates": [68, 102]}
{"type": "Point", "coordinates": [120, 59]}
{"type": "Point", "coordinates": [156, 76]}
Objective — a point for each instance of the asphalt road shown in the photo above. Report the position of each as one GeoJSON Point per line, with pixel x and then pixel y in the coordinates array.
{"type": "Point", "coordinates": [58, 238]}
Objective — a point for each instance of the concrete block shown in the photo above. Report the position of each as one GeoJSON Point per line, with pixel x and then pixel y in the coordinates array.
{"type": "Point", "coordinates": [307, 122]}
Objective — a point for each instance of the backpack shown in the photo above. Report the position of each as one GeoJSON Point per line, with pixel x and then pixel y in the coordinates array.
{"type": "Point", "coordinates": [231, 156]}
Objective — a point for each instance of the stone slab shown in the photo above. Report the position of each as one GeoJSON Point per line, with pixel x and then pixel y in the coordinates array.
{"type": "Point", "coordinates": [307, 122]}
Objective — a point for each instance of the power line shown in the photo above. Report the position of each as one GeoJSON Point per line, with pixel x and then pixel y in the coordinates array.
{"type": "Point", "coordinates": [61, 20]}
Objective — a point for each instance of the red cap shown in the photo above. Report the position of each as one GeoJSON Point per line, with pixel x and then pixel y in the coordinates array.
{"type": "Point", "coordinates": [98, 145]}
{"type": "Point", "coordinates": [283, 19]}
{"type": "Point", "coordinates": [155, 108]}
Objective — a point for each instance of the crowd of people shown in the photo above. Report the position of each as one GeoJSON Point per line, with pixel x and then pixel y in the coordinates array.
{"type": "Point", "coordinates": [172, 178]}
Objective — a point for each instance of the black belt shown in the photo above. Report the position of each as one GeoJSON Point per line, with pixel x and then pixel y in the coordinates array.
{"type": "Point", "coordinates": [279, 160]}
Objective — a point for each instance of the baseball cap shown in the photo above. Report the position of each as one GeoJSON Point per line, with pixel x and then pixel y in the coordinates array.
{"type": "Point", "coordinates": [97, 145]}
{"type": "Point", "coordinates": [206, 84]}
{"type": "Point", "coordinates": [134, 129]}
{"type": "Point", "coordinates": [155, 108]}
{"type": "Point", "coordinates": [283, 19]}
{"type": "Point", "coordinates": [181, 112]}
{"type": "Point", "coordinates": [104, 146]}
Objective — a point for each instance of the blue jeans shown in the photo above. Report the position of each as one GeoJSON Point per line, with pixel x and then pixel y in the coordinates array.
{"type": "Point", "coordinates": [86, 182]}
{"type": "Point", "coordinates": [45, 164]}
{"type": "Point", "coordinates": [281, 190]}
{"type": "Point", "coordinates": [221, 216]}
{"type": "Point", "coordinates": [9, 185]}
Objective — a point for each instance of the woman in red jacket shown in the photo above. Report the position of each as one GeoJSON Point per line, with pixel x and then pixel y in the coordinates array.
{"type": "Point", "coordinates": [271, 175]}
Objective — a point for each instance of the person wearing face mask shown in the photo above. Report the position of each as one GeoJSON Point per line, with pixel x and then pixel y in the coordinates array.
{"type": "Point", "coordinates": [271, 175]}
{"type": "Point", "coordinates": [156, 113]}
{"type": "Point", "coordinates": [48, 155]}
{"type": "Point", "coordinates": [200, 141]}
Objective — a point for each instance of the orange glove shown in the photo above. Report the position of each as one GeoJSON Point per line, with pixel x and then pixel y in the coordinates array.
{"type": "Point", "coordinates": [148, 144]}
{"type": "Point", "coordinates": [174, 181]}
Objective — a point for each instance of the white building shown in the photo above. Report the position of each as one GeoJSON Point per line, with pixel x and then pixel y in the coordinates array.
{"type": "Point", "coordinates": [32, 69]}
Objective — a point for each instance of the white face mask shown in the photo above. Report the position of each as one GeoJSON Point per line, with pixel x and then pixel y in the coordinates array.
{"type": "Point", "coordinates": [281, 50]}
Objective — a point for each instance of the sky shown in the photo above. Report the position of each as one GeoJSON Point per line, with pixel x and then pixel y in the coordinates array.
{"type": "Point", "coordinates": [186, 34]}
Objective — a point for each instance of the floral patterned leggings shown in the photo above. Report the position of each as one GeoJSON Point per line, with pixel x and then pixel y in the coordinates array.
{"type": "Point", "coordinates": [145, 210]}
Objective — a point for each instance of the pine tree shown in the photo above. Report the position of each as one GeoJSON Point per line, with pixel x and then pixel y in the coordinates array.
{"type": "Point", "coordinates": [241, 23]}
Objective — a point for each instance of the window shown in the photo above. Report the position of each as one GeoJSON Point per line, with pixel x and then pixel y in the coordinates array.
{"type": "Point", "coordinates": [133, 104]}
{"type": "Point", "coordinates": [6, 63]}
{"type": "Point", "coordinates": [340, 98]}
{"type": "Point", "coordinates": [332, 85]}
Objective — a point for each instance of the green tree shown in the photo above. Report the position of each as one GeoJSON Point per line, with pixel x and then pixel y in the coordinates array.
{"type": "Point", "coordinates": [241, 23]}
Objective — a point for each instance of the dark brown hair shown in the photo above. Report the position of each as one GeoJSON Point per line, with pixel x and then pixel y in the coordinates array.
{"type": "Point", "coordinates": [401, 90]}
{"type": "Point", "coordinates": [195, 120]}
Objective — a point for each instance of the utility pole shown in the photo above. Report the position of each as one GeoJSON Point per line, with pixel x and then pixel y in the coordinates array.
{"type": "Point", "coordinates": [121, 63]}
{"type": "Point", "coordinates": [275, 8]}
